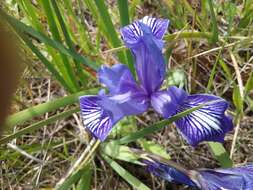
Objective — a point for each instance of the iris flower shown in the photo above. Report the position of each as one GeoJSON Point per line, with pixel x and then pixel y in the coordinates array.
{"type": "Point", "coordinates": [239, 178]}
{"type": "Point", "coordinates": [130, 97]}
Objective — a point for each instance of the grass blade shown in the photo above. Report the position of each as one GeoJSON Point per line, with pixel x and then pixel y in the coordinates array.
{"type": "Point", "coordinates": [85, 181]}
{"type": "Point", "coordinates": [21, 27]}
{"type": "Point", "coordinates": [213, 72]}
{"type": "Point", "coordinates": [45, 61]}
{"type": "Point", "coordinates": [123, 11]}
{"type": "Point", "coordinates": [33, 15]}
{"type": "Point", "coordinates": [133, 181]}
{"type": "Point", "coordinates": [215, 36]}
{"type": "Point", "coordinates": [27, 114]}
{"type": "Point", "coordinates": [38, 125]}
{"type": "Point", "coordinates": [226, 70]}
{"type": "Point", "coordinates": [124, 20]}
{"type": "Point", "coordinates": [73, 179]}
{"type": "Point", "coordinates": [249, 84]}
{"type": "Point", "coordinates": [85, 39]}
{"type": "Point", "coordinates": [110, 30]}
{"type": "Point", "coordinates": [56, 36]}
{"type": "Point", "coordinates": [220, 154]}
{"type": "Point", "coordinates": [69, 42]}
{"type": "Point", "coordinates": [157, 126]}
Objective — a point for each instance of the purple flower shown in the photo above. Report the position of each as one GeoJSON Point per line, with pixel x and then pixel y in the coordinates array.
{"type": "Point", "coordinates": [129, 97]}
{"type": "Point", "coordinates": [169, 173]}
{"type": "Point", "coordinates": [240, 178]}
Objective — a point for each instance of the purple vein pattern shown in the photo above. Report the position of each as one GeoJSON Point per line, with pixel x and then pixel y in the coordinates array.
{"type": "Point", "coordinates": [130, 97]}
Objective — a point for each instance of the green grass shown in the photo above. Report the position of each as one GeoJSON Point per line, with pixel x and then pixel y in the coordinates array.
{"type": "Point", "coordinates": [69, 40]}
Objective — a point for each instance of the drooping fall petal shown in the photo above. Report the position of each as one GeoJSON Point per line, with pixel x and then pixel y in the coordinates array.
{"type": "Point", "coordinates": [209, 123]}
{"type": "Point", "coordinates": [100, 113]}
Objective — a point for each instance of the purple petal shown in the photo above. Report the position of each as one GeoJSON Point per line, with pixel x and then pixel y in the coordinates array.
{"type": "Point", "coordinates": [144, 39]}
{"type": "Point", "coordinates": [100, 113]}
{"type": "Point", "coordinates": [233, 178]}
{"type": "Point", "coordinates": [149, 64]}
{"type": "Point", "coordinates": [111, 77]}
{"type": "Point", "coordinates": [208, 123]}
{"type": "Point", "coordinates": [166, 102]}
{"type": "Point", "coordinates": [96, 119]}
{"type": "Point", "coordinates": [158, 26]}
{"type": "Point", "coordinates": [177, 94]}
{"type": "Point", "coordinates": [168, 173]}
{"type": "Point", "coordinates": [239, 178]}
{"type": "Point", "coordinates": [132, 33]}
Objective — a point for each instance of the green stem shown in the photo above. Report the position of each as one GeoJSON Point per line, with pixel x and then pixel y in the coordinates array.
{"type": "Point", "coordinates": [181, 35]}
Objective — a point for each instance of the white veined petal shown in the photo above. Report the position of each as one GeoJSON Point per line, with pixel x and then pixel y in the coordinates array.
{"type": "Point", "coordinates": [205, 123]}
{"type": "Point", "coordinates": [95, 119]}
{"type": "Point", "coordinates": [132, 32]}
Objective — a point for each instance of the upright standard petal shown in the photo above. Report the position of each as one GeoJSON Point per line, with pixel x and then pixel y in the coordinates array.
{"type": "Point", "coordinates": [100, 113]}
{"type": "Point", "coordinates": [240, 178]}
{"type": "Point", "coordinates": [144, 39]}
{"type": "Point", "coordinates": [208, 123]}
{"type": "Point", "coordinates": [149, 64]}
{"type": "Point", "coordinates": [132, 33]}
{"type": "Point", "coordinates": [113, 76]}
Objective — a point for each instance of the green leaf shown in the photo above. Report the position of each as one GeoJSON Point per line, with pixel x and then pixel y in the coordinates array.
{"type": "Point", "coordinates": [133, 181]}
{"type": "Point", "coordinates": [249, 84]}
{"type": "Point", "coordinates": [154, 148]}
{"type": "Point", "coordinates": [73, 179]}
{"type": "Point", "coordinates": [190, 35]}
{"type": "Point", "coordinates": [126, 126]}
{"type": "Point", "coordinates": [86, 179]}
{"type": "Point", "coordinates": [237, 99]}
{"type": "Point", "coordinates": [175, 77]}
{"type": "Point", "coordinates": [85, 40]}
{"type": "Point", "coordinates": [120, 152]}
{"type": "Point", "coordinates": [226, 69]}
{"type": "Point", "coordinates": [231, 13]}
{"type": "Point", "coordinates": [33, 14]}
{"type": "Point", "coordinates": [14, 23]}
{"type": "Point", "coordinates": [246, 19]}
{"type": "Point", "coordinates": [213, 72]}
{"type": "Point", "coordinates": [221, 154]}
{"type": "Point", "coordinates": [29, 113]}
{"type": "Point", "coordinates": [123, 12]}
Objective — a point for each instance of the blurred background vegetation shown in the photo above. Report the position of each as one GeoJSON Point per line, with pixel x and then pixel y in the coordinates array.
{"type": "Point", "coordinates": [62, 43]}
